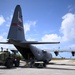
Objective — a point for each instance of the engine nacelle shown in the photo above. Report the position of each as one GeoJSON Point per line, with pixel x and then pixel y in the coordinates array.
{"type": "Point", "coordinates": [73, 53]}
{"type": "Point", "coordinates": [56, 53]}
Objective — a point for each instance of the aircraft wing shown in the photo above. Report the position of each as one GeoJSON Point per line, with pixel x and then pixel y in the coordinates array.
{"type": "Point", "coordinates": [56, 52]}
{"type": "Point", "coordinates": [63, 50]}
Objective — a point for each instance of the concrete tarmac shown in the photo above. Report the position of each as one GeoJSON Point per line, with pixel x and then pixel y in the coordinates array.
{"type": "Point", "coordinates": [56, 67]}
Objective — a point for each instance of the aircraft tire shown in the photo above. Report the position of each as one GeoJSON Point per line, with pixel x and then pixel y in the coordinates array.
{"type": "Point", "coordinates": [9, 63]}
{"type": "Point", "coordinates": [46, 62]}
{"type": "Point", "coordinates": [44, 65]}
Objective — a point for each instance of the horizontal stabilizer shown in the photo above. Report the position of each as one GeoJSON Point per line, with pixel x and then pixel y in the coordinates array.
{"type": "Point", "coordinates": [26, 42]}
{"type": "Point", "coordinates": [35, 42]}
{"type": "Point", "coordinates": [5, 43]}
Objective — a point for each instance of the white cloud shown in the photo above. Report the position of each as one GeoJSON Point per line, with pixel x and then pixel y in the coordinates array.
{"type": "Point", "coordinates": [68, 27]}
{"type": "Point", "coordinates": [9, 18]}
{"type": "Point", "coordinates": [2, 20]}
{"type": "Point", "coordinates": [72, 46]}
{"type": "Point", "coordinates": [28, 25]}
{"type": "Point", "coordinates": [30, 39]}
{"type": "Point", "coordinates": [5, 45]}
{"type": "Point", "coordinates": [2, 39]}
{"type": "Point", "coordinates": [51, 37]}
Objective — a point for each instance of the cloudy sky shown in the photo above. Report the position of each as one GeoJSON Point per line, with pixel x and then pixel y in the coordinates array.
{"type": "Point", "coordinates": [44, 20]}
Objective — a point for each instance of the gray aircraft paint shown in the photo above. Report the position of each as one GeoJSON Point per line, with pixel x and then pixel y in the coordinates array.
{"type": "Point", "coordinates": [16, 31]}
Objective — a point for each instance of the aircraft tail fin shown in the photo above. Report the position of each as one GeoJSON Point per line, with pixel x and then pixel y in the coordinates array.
{"type": "Point", "coordinates": [16, 31]}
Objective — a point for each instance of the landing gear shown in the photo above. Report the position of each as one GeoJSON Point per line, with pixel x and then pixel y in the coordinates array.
{"type": "Point", "coordinates": [29, 65]}
{"type": "Point", "coordinates": [36, 64]}
{"type": "Point", "coordinates": [17, 63]}
{"type": "Point", "coordinates": [45, 62]}
{"type": "Point", "coordinates": [40, 64]}
{"type": "Point", "coordinates": [31, 62]}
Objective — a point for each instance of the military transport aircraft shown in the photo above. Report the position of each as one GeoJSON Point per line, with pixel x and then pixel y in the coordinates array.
{"type": "Point", "coordinates": [17, 38]}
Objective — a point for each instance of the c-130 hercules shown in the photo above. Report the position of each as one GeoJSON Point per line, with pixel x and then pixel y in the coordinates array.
{"type": "Point", "coordinates": [17, 38]}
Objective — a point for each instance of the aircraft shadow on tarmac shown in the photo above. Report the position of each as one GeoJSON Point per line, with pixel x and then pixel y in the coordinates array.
{"type": "Point", "coordinates": [50, 67]}
{"type": "Point", "coordinates": [7, 68]}
{"type": "Point", "coordinates": [38, 68]}
{"type": "Point", "coordinates": [62, 64]}
{"type": "Point", "coordinates": [55, 68]}
{"type": "Point", "coordinates": [60, 68]}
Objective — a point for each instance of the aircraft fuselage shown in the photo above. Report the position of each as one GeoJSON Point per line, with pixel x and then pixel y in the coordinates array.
{"type": "Point", "coordinates": [29, 51]}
